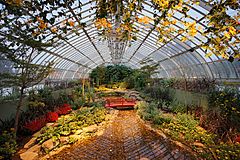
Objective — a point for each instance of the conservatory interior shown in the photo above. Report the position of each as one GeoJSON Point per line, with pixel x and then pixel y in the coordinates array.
{"type": "Point", "coordinates": [120, 79]}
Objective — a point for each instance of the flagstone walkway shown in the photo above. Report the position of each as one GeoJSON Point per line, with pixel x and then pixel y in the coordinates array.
{"type": "Point", "coordinates": [125, 139]}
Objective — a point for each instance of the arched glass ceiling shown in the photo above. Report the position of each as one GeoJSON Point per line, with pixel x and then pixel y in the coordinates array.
{"type": "Point", "coordinates": [77, 55]}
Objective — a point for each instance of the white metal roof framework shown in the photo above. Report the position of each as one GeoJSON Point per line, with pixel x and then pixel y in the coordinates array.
{"type": "Point", "coordinates": [79, 54]}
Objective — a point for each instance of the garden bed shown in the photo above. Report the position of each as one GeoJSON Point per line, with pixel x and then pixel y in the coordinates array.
{"type": "Point", "coordinates": [185, 129]}
{"type": "Point", "coordinates": [54, 137]}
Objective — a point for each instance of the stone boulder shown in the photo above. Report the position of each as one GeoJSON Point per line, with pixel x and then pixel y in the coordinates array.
{"type": "Point", "coordinates": [30, 143]}
{"type": "Point", "coordinates": [135, 95]}
{"type": "Point", "coordinates": [75, 137]}
{"type": "Point", "coordinates": [29, 156]}
{"type": "Point", "coordinates": [64, 140]}
{"type": "Point", "coordinates": [90, 129]}
{"type": "Point", "coordinates": [198, 144]}
{"type": "Point", "coordinates": [37, 134]}
{"type": "Point", "coordinates": [49, 145]}
{"type": "Point", "coordinates": [36, 148]}
{"type": "Point", "coordinates": [49, 124]}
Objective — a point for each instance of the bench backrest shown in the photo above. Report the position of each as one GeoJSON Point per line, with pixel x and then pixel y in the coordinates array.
{"type": "Point", "coordinates": [119, 100]}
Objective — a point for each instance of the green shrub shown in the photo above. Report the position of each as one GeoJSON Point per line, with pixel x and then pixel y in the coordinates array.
{"type": "Point", "coordinates": [187, 120]}
{"type": "Point", "coordinates": [163, 96]}
{"type": "Point", "coordinates": [159, 120]}
{"type": "Point", "coordinates": [9, 97]}
{"type": "Point", "coordinates": [185, 128]}
{"type": "Point", "coordinates": [147, 111]}
{"type": "Point", "coordinates": [45, 94]}
{"type": "Point", "coordinates": [64, 97]}
{"type": "Point", "coordinates": [228, 151]}
{"type": "Point", "coordinates": [223, 114]}
{"type": "Point", "coordinates": [8, 145]}
{"type": "Point", "coordinates": [178, 108]}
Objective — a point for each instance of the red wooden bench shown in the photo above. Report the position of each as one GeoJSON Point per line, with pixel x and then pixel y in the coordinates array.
{"type": "Point", "coordinates": [120, 102]}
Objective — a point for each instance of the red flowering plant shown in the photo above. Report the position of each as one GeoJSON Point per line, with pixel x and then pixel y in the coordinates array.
{"type": "Point", "coordinates": [237, 139]}
{"type": "Point", "coordinates": [52, 116]}
{"type": "Point", "coordinates": [64, 109]}
{"type": "Point", "coordinates": [36, 124]}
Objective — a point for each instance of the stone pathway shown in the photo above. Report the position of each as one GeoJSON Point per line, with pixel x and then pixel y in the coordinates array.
{"type": "Point", "coordinates": [125, 139]}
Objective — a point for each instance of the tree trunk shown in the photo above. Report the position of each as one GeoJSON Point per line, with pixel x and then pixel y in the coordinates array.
{"type": "Point", "coordinates": [83, 90]}
{"type": "Point", "coordinates": [18, 110]}
{"type": "Point", "coordinates": [185, 96]}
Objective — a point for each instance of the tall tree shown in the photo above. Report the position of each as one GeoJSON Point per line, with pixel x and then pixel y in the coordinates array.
{"type": "Point", "coordinates": [19, 45]}
{"type": "Point", "coordinates": [26, 74]}
{"type": "Point", "coordinates": [149, 67]}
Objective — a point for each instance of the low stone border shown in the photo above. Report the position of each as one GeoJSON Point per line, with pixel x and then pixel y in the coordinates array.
{"type": "Point", "coordinates": [33, 151]}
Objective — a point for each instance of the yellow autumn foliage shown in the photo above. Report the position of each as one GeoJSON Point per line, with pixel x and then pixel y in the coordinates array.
{"type": "Point", "coordinates": [144, 20]}
{"type": "Point", "coordinates": [102, 23]}
{"type": "Point", "coordinates": [14, 2]}
{"type": "Point", "coordinates": [227, 35]}
{"type": "Point", "coordinates": [209, 54]}
{"type": "Point", "coordinates": [232, 30]}
{"type": "Point", "coordinates": [54, 29]}
{"type": "Point", "coordinates": [162, 3]}
{"type": "Point", "coordinates": [42, 25]}
{"type": "Point", "coordinates": [71, 23]}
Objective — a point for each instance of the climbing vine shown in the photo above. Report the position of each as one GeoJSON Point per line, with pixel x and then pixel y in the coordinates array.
{"type": "Point", "coordinates": [47, 20]}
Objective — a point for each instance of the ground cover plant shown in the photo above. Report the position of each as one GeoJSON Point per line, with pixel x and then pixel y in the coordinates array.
{"type": "Point", "coordinates": [42, 107]}
{"type": "Point", "coordinates": [186, 129]}
{"type": "Point", "coordinates": [67, 129]}
{"type": "Point", "coordinates": [73, 122]}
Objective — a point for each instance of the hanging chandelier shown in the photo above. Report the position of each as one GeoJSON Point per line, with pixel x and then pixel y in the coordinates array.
{"type": "Point", "coordinates": [115, 21]}
{"type": "Point", "coordinates": [116, 47]}
{"type": "Point", "coordinates": [116, 44]}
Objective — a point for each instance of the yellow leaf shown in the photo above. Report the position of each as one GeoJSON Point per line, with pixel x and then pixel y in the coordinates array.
{"type": "Point", "coordinates": [118, 30]}
{"type": "Point", "coordinates": [204, 47]}
{"type": "Point", "coordinates": [161, 40]}
{"type": "Point", "coordinates": [192, 32]}
{"type": "Point", "coordinates": [159, 29]}
{"type": "Point", "coordinates": [14, 2]}
{"type": "Point", "coordinates": [166, 23]}
{"type": "Point", "coordinates": [180, 31]}
{"type": "Point", "coordinates": [183, 39]}
{"type": "Point", "coordinates": [224, 56]}
{"type": "Point", "coordinates": [109, 25]}
{"type": "Point", "coordinates": [71, 23]}
{"type": "Point", "coordinates": [144, 20]}
{"type": "Point", "coordinates": [54, 29]}
{"type": "Point", "coordinates": [169, 15]}
{"type": "Point", "coordinates": [218, 39]}
{"type": "Point", "coordinates": [174, 21]}
{"type": "Point", "coordinates": [42, 26]}
{"type": "Point", "coordinates": [227, 35]}
{"type": "Point", "coordinates": [237, 55]}
{"type": "Point", "coordinates": [131, 6]}
{"type": "Point", "coordinates": [232, 30]}
{"type": "Point", "coordinates": [208, 55]}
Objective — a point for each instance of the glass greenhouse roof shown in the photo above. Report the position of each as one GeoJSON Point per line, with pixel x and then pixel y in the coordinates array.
{"type": "Point", "coordinates": [77, 54]}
